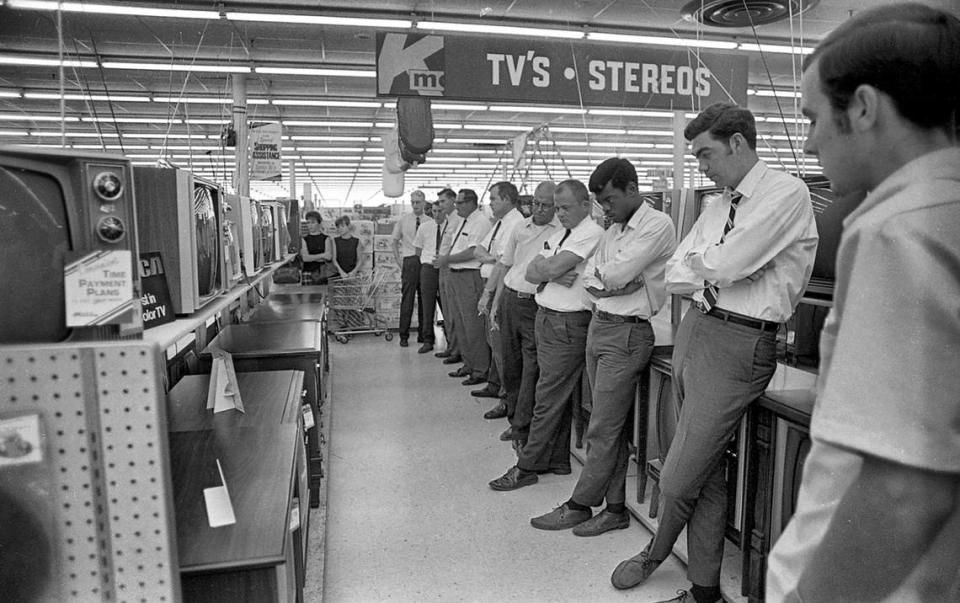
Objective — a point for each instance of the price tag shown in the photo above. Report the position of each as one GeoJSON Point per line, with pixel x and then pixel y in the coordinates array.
{"type": "Point", "coordinates": [308, 422]}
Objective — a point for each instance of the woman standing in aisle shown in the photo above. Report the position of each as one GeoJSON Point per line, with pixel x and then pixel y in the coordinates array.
{"type": "Point", "coordinates": [347, 249]}
{"type": "Point", "coordinates": [316, 248]}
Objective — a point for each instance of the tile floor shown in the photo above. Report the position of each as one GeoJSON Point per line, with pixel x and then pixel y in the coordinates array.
{"type": "Point", "coordinates": [410, 516]}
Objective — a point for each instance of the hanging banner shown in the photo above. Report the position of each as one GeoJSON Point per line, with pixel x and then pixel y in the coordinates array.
{"type": "Point", "coordinates": [555, 72]}
{"type": "Point", "coordinates": [265, 155]}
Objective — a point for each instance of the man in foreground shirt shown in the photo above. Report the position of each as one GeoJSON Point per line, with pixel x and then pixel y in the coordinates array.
{"type": "Point", "coordinates": [561, 331]}
{"type": "Point", "coordinates": [451, 222]}
{"type": "Point", "coordinates": [624, 279]}
{"type": "Point", "coordinates": [404, 232]}
{"type": "Point", "coordinates": [746, 261]}
{"type": "Point", "coordinates": [878, 512]}
{"type": "Point", "coordinates": [426, 243]}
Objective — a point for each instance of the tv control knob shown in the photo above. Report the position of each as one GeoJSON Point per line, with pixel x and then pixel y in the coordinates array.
{"type": "Point", "coordinates": [111, 229]}
{"type": "Point", "coordinates": [108, 186]}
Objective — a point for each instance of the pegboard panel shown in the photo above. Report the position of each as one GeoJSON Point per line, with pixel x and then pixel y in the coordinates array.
{"type": "Point", "coordinates": [101, 411]}
{"type": "Point", "coordinates": [136, 473]}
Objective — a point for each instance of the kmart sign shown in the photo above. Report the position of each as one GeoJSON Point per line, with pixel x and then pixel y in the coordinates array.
{"type": "Point", "coordinates": [557, 72]}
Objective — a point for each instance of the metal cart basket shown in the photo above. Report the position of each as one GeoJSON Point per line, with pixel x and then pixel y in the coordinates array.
{"type": "Point", "coordinates": [352, 303]}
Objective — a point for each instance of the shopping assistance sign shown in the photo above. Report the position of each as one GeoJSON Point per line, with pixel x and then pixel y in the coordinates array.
{"type": "Point", "coordinates": [265, 151]}
{"type": "Point", "coordinates": [557, 72]}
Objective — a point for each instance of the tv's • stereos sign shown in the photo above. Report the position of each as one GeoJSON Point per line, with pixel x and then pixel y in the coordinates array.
{"type": "Point", "coordinates": [575, 73]}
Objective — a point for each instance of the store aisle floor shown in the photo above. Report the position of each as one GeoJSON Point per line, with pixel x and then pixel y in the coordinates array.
{"type": "Point", "coordinates": [410, 516]}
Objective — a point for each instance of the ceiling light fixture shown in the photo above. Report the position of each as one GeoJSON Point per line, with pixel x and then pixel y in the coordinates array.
{"type": "Point", "coordinates": [177, 67]}
{"type": "Point", "coordinates": [317, 71]}
{"type": "Point", "coordinates": [500, 29]}
{"type": "Point", "coordinates": [42, 62]}
{"type": "Point", "coordinates": [319, 20]}
{"type": "Point", "coordinates": [30, 117]}
{"type": "Point", "coordinates": [659, 40]}
{"type": "Point", "coordinates": [533, 109]}
{"type": "Point", "coordinates": [775, 48]}
{"type": "Point", "coordinates": [457, 107]}
{"type": "Point", "coordinates": [87, 97]}
{"type": "Point", "coordinates": [326, 103]}
{"type": "Point", "coordinates": [109, 9]}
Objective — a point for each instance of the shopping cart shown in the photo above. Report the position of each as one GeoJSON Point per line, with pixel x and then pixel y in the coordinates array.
{"type": "Point", "coordinates": [353, 307]}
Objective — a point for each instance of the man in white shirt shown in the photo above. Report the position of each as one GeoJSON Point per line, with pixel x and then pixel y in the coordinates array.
{"type": "Point", "coordinates": [878, 512]}
{"type": "Point", "coordinates": [404, 232]}
{"type": "Point", "coordinates": [561, 332]}
{"type": "Point", "coordinates": [427, 242]}
{"type": "Point", "coordinates": [625, 281]}
{"type": "Point", "coordinates": [466, 285]}
{"type": "Point", "coordinates": [504, 200]}
{"type": "Point", "coordinates": [451, 223]}
{"type": "Point", "coordinates": [746, 261]}
{"type": "Point", "coordinates": [515, 310]}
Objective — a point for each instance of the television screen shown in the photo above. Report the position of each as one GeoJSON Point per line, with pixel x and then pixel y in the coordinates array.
{"type": "Point", "coordinates": [205, 206]}
{"type": "Point", "coordinates": [829, 211]}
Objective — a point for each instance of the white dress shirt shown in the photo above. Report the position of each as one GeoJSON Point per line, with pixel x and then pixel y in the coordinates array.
{"type": "Point", "coordinates": [496, 239]}
{"type": "Point", "coordinates": [773, 227]}
{"type": "Point", "coordinates": [467, 236]}
{"type": "Point", "coordinates": [426, 240]}
{"type": "Point", "coordinates": [640, 247]}
{"type": "Point", "coordinates": [525, 243]}
{"type": "Point", "coordinates": [405, 231]}
{"type": "Point", "coordinates": [448, 231]}
{"type": "Point", "coordinates": [582, 242]}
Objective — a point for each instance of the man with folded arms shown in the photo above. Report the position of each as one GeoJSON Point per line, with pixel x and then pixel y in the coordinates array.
{"type": "Point", "coordinates": [561, 332]}
{"type": "Point", "coordinates": [465, 287]}
{"type": "Point", "coordinates": [625, 280]}
{"type": "Point", "coordinates": [504, 200]}
{"type": "Point", "coordinates": [515, 308]}
{"type": "Point", "coordinates": [746, 261]}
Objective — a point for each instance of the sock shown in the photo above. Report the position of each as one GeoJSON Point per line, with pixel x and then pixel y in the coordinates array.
{"type": "Point", "coordinates": [705, 594]}
{"type": "Point", "coordinates": [616, 508]}
{"type": "Point", "coordinates": [575, 506]}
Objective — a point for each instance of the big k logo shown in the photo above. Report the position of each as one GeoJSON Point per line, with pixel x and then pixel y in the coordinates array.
{"type": "Point", "coordinates": [410, 64]}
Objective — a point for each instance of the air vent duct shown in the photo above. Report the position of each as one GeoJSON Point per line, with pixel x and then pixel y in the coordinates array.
{"type": "Point", "coordinates": [743, 13]}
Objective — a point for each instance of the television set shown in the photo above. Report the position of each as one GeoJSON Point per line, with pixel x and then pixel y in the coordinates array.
{"type": "Point", "coordinates": [791, 446]}
{"type": "Point", "coordinates": [256, 233]}
{"type": "Point", "coordinates": [243, 214]}
{"type": "Point", "coordinates": [293, 224]}
{"type": "Point", "coordinates": [268, 234]}
{"type": "Point", "coordinates": [231, 235]}
{"type": "Point", "coordinates": [61, 211]}
{"type": "Point", "coordinates": [279, 235]}
{"type": "Point", "coordinates": [829, 211]}
{"type": "Point", "coordinates": [179, 215]}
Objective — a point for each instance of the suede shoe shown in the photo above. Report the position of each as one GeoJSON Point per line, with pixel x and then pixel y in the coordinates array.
{"type": "Point", "coordinates": [561, 518]}
{"type": "Point", "coordinates": [513, 479]}
{"type": "Point", "coordinates": [485, 393]}
{"type": "Point", "coordinates": [507, 435]}
{"type": "Point", "coordinates": [473, 380]}
{"type": "Point", "coordinates": [604, 521]}
{"type": "Point", "coordinates": [633, 571]}
{"type": "Point", "coordinates": [452, 360]}
{"type": "Point", "coordinates": [460, 372]}
{"type": "Point", "coordinates": [497, 412]}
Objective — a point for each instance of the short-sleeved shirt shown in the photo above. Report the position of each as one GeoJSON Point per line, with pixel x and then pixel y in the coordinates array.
{"type": "Point", "coordinates": [640, 247]}
{"type": "Point", "coordinates": [525, 243]}
{"type": "Point", "coordinates": [428, 236]}
{"type": "Point", "coordinates": [467, 236]}
{"type": "Point", "coordinates": [890, 364]}
{"type": "Point", "coordinates": [582, 242]}
{"type": "Point", "coordinates": [448, 231]}
{"type": "Point", "coordinates": [405, 231]}
{"type": "Point", "coordinates": [495, 239]}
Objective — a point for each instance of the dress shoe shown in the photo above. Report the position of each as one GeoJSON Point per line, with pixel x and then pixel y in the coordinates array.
{"type": "Point", "coordinates": [507, 435]}
{"type": "Point", "coordinates": [473, 380]}
{"type": "Point", "coordinates": [682, 597]}
{"type": "Point", "coordinates": [497, 412]}
{"type": "Point", "coordinates": [484, 393]}
{"type": "Point", "coordinates": [460, 372]}
{"type": "Point", "coordinates": [443, 354]}
{"type": "Point", "coordinates": [513, 479]}
{"type": "Point", "coordinates": [634, 571]}
{"type": "Point", "coordinates": [404, 343]}
{"type": "Point", "coordinates": [561, 518]}
{"type": "Point", "coordinates": [427, 347]}
{"type": "Point", "coordinates": [452, 360]}
{"type": "Point", "coordinates": [604, 521]}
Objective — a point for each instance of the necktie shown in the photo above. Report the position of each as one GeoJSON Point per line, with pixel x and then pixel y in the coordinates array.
{"type": "Point", "coordinates": [439, 236]}
{"type": "Point", "coordinates": [555, 251]}
{"type": "Point", "coordinates": [417, 227]}
{"type": "Point", "coordinates": [710, 292]}
{"type": "Point", "coordinates": [493, 238]}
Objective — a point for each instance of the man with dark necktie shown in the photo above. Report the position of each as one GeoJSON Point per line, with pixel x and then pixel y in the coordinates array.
{"type": "Point", "coordinates": [746, 261]}
{"type": "Point", "coordinates": [404, 232]}
{"type": "Point", "coordinates": [426, 243]}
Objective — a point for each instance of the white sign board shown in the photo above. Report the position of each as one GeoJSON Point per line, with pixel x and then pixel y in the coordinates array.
{"type": "Point", "coordinates": [265, 151]}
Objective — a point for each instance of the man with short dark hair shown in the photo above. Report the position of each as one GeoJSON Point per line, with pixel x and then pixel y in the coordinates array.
{"type": "Point", "coordinates": [878, 512]}
{"type": "Point", "coordinates": [404, 232]}
{"type": "Point", "coordinates": [426, 243]}
{"type": "Point", "coordinates": [451, 222]}
{"type": "Point", "coordinates": [746, 261]}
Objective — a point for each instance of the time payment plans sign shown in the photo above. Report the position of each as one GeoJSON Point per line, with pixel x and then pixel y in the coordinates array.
{"type": "Point", "coordinates": [517, 70]}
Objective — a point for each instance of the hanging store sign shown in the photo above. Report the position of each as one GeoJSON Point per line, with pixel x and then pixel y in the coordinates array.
{"type": "Point", "coordinates": [572, 73]}
{"type": "Point", "coordinates": [265, 155]}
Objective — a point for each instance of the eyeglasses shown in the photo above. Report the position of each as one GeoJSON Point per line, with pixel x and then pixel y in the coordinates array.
{"type": "Point", "coordinates": [460, 202]}
{"type": "Point", "coordinates": [541, 204]}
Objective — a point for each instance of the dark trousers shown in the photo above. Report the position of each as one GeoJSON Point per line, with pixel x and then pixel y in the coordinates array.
{"type": "Point", "coordinates": [465, 287]}
{"type": "Point", "coordinates": [561, 341]}
{"type": "Point", "coordinates": [719, 368]}
{"type": "Point", "coordinates": [616, 355]}
{"type": "Point", "coordinates": [429, 295]}
{"type": "Point", "coordinates": [449, 316]}
{"type": "Point", "coordinates": [520, 369]}
{"type": "Point", "coordinates": [410, 288]}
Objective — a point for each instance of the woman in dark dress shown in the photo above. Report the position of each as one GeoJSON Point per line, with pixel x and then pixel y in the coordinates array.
{"type": "Point", "coordinates": [347, 249]}
{"type": "Point", "coordinates": [316, 248]}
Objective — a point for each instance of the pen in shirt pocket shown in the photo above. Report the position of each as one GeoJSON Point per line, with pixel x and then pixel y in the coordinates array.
{"type": "Point", "coordinates": [546, 245]}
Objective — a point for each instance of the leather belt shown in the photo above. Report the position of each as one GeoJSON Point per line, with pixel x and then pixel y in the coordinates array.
{"type": "Point", "coordinates": [520, 294]}
{"type": "Point", "coordinates": [739, 319]}
{"type": "Point", "coordinates": [464, 270]}
{"type": "Point", "coordinates": [601, 315]}
{"type": "Point", "coordinates": [562, 313]}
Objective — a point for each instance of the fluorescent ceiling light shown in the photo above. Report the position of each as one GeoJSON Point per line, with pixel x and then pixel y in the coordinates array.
{"type": "Point", "coordinates": [207, 122]}
{"type": "Point", "coordinates": [327, 124]}
{"type": "Point", "coordinates": [659, 40]}
{"type": "Point", "coordinates": [650, 132]}
{"type": "Point", "coordinates": [489, 141]}
{"type": "Point", "coordinates": [76, 134]}
{"type": "Point", "coordinates": [632, 112]}
{"type": "Point", "coordinates": [775, 93]}
{"type": "Point", "coordinates": [156, 119]}
{"type": "Point", "coordinates": [442, 126]}
{"type": "Point", "coordinates": [563, 129]}
{"type": "Point", "coordinates": [84, 97]}
{"type": "Point", "coordinates": [385, 124]}
{"type": "Point", "coordinates": [176, 67]}
{"type": "Point", "coordinates": [321, 150]}
{"type": "Point", "coordinates": [319, 20]}
{"type": "Point", "coordinates": [532, 109]}
{"type": "Point", "coordinates": [28, 117]}
{"type": "Point", "coordinates": [504, 127]}
{"type": "Point", "coordinates": [258, 101]}
{"type": "Point", "coordinates": [338, 139]}
{"type": "Point", "coordinates": [13, 133]}
{"type": "Point", "coordinates": [457, 107]}
{"type": "Point", "coordinates": [326, 103]}
{"type": "Point", "coordinates": [35, 61]}
{"type": "Point", "coordinates": [317, 71]}
{"type": "Point", "coordinates": [776, 48]}
{"type": "Point", "coordinates": [9, 94]}
{"type": "Point", "coordinates": [109, 9]}
{"type": "Point", "coordinates": [151, 135]}
{"type": "Point", "coordinates": [195, 100]}
{"type": "Point", "coordinates": [626, 145]}
{"type": "Point", "coordinates": [500, 29]}
{"type": "Point", "coordinates": [465, 151]}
